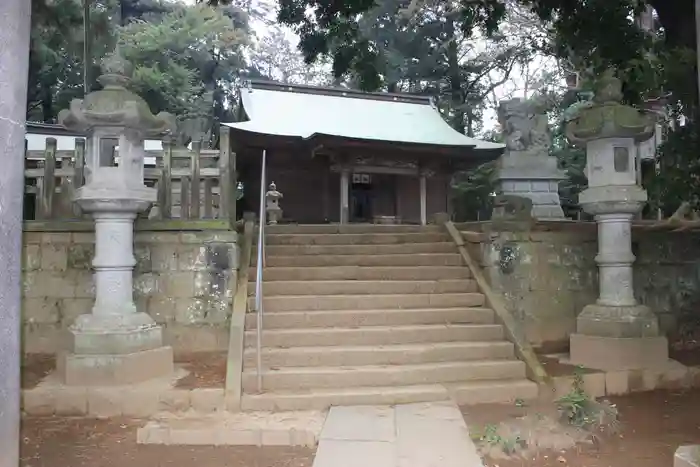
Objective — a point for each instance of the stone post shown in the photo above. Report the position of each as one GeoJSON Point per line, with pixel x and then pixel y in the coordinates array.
{"type": "Point", "coordinates": [526, 169]}
{"type": "Point", "coordinates": [115, 344]}
{"type": "Point", "coordinates": [615, 333]}
{"type": "Point", "coordinates": [14, 63]}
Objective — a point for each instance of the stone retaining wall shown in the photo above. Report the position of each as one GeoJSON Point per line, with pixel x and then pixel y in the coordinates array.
{"type": "Point", "coordinates": [547, 274]}
{"type": "Point", "coordinates": [184, 279]}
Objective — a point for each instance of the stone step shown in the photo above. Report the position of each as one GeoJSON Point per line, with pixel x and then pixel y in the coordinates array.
{"type": "Point", "coordinates": [405, 354]}
{"type": "Point", "coordinates": [392, 238]}
{"type": "Point", "coordinates": [367, 302]}
{"type": "Point", "coordinates": [330, 287]}
{"type": "Point", "coordinates": [376, 335]}
{"type": "Point", "coordinates": [402, 248]}
{"type": "Point", "coordinates": [349, 228]}
{"type": "Point", "coordinates": [354, 318]}
{"type": "Point", "coordinates": [224, 428]}
{"type": "Point", "coordinates": [492, 392]}
{"type": "Point", "coordinates": [367, 273]}
{"type": "Point", "coordinates": [418, 259]}
{"type": "Point", "coordinates": [294, 378]}
{"type": "Point", "coordinates": [322, 399]}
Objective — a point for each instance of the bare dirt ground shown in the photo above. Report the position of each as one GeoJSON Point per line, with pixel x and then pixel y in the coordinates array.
{"type": "Point", "coordinates": [57, 441]}
{"type": "Point", "coordinates": [652, 426]}
{"type": "Point", "coordinates": [206, 370]}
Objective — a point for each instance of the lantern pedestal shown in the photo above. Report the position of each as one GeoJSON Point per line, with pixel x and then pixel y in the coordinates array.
{"type": "Point", "coordinates": [615, 332]}
{"type": "Point", "coordinates": [115, 344]}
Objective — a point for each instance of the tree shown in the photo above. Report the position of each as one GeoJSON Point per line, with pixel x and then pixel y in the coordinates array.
{"type": "Point", "coordinates": [56, 71]}
{"type": "Point", "coordinates": [275, 58]}
{"type": "Point", "coordinates": [186, 62]}
{"type": "Point", "coordinates": [428, 48]}
{"type": "Point", "coordinates": [600, 33]}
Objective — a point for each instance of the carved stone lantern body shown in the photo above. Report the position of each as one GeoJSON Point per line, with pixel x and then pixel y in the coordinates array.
{"type": "Point", "coordinates": [115, 344]}
{"type": "Point", "coordinates": [616, 332]}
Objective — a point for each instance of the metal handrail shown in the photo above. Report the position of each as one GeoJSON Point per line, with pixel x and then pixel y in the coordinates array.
{"type": "Point", "coordinates": [259, 308]}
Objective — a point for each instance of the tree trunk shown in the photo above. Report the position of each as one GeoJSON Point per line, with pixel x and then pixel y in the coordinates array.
{"type": "Point", "coordinates": [455, 79]}
{"type": "Point", "coordinates": [47, 113]}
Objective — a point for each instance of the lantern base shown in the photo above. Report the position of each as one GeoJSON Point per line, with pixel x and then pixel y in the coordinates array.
{"type": "Point", "coordinates": [115, 369]}
{"type": "Point", "coordinates": [114, 349]}
{"type": "Point", "coordinates": [617, 321]}
{"type": "Point", "coordinates": [618, 353]}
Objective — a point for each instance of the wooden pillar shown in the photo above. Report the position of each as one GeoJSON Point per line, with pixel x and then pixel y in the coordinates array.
{"type": "Point", "coordinates": [423, 199]}
{"type": "Point", "coordinates": [326, 214]}
{"type": "Point", "coordinates": [344, 195]}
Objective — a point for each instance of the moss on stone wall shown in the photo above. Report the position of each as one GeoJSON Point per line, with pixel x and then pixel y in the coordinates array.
{"type": "Point", "coordinates": [184, 279]}
{"type": "Point", "coordinates": [548, 274]}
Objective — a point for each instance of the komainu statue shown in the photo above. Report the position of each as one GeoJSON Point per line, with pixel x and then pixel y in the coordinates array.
{"type": "Point", "coordinates": [525, 125]}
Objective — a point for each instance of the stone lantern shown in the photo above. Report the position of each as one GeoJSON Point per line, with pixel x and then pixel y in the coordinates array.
{"type": "Point", "coordinates": [272, 204]}
{"type": "Point", "coordinates": [115, 344]}
{"type": "Point", "coordinates": [616, 332]}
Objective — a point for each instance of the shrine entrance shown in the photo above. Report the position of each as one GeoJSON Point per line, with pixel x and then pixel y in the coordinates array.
{"type": "Point", "coordinates": [361, 198]}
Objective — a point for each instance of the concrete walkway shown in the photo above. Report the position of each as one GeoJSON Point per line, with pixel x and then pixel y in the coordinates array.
{"type": "Point", "coordinates": [413, 435]}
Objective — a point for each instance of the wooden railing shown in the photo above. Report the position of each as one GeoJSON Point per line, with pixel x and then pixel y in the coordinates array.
{"type": "Point", "coordinates": [191, 183]}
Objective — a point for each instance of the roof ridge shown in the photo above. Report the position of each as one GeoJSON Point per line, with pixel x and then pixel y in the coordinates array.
{"type": "Point", "coordinates": [261, 84]}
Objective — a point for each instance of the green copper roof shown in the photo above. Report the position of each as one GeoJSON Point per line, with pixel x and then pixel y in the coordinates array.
{"type": "Point", "coordinates": [305, 112]}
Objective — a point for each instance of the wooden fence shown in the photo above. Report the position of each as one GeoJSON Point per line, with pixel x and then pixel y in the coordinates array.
{"type": "Point", "coordinates": [191, 184]}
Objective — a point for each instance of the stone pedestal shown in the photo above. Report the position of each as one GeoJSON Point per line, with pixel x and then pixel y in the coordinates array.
{"type": "Point", "coordinates": [526, 169]}
{"type": "Point", "coordinates": [115, 344]}
{"type": "Point", "coordinates": [535, 177]}
{"type": "Point", "coordinates": [616, 332]}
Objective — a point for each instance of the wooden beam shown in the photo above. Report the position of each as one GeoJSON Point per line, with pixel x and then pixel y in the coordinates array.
{"type": "Point", "coordinates": [195, 185]}
{"type": "Point", "coordinates": [227, 178]}
{"type": "Point", "coordinates": [48, 186]}
{"type": "Point", "coordinates": [165, 187]}
{"type": "Point", "coordinates": [378, 169]}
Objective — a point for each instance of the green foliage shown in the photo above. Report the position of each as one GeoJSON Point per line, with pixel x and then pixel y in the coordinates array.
{"type": "Point", "coordinates": [491, 437]}
{"type": "Point", "coordinates": [185, 61]}
{"type": "Point", "coordinates": [472, 193]}
{"type": "Point", "coordinates": [578, 409]}
{"type": "Point", "coordinates": [574, 406]}
{"type": "Point", "coordinates": [677, 180]}
{"type": "Point", "coordinates": [56, 53]}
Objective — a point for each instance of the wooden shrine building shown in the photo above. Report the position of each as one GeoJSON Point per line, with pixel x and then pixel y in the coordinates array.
{"type": "Point", "coordinates": [339, 155]}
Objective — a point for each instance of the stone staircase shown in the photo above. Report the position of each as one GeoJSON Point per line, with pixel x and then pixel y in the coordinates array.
{"type": "Point", "coordinates": [374, 315]}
